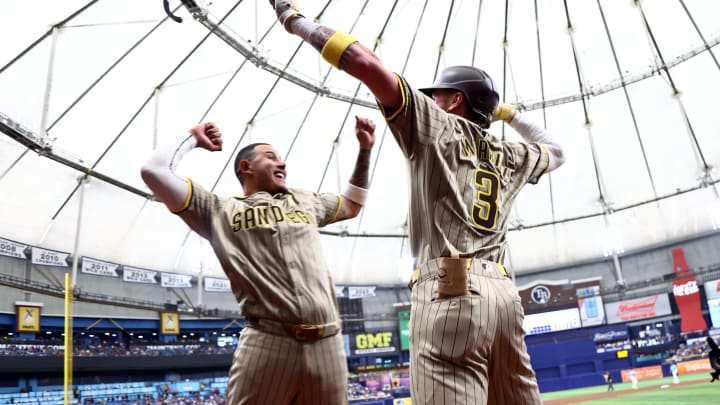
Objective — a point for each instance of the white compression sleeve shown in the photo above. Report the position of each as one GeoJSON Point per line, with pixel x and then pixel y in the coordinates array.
{"type": "Point", "coordinates": [158, 172]}
{"type": "Point", "coordinates": [356, 194]}
{"type": "Point", "coordinates": [533, 133]}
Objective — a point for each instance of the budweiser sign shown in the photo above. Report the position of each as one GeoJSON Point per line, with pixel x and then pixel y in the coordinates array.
{"type": "Point", "coordinates": [688, 288]}
{"type": "Point", "coordinates": [642, 308]}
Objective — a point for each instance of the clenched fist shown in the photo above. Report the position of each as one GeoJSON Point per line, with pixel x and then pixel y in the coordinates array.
{"type": "Point", "coordinates": [208, 136]}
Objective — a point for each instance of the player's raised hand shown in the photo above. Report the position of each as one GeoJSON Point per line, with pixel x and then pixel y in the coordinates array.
{"type": "Point", "coordinates": [285, 10]}
{"type": "Point", "coordinates": [365, 132]}
{"type": "Point", "coordinates": [208, 136]}
{"type": "Point", "coordinates": [504, 112]}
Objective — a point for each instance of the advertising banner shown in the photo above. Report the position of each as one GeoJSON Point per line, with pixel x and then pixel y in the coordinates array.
{"type": "Point", "coordinates": [404, 326]}
{"type": "Point", "coordinates": [714, 311]}
{"type": "Point", "coordinates": [687, 295]}
{"type": "Point", "coordinates": [611, 336]}
{"type": "Point", "coordinates": [643, 373]}
{"type": "Point", "coordinates": [373, 343]}
{"type": "Point", "coordinates": [694, 366]}
{"type": "Point", "coordinates": [590, 303]}
{"type": "Point", "coordinates": [712, 289]}
{"type": "Point", "coordinates": [551, 321]}
{"type": "Point", "coordinates": [638, 308]}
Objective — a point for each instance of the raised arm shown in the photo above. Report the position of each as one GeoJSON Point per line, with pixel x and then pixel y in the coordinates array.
{"type": "Point", "coordinates": [354, 196]}
{"type": "Point", "coordinates": [344, 52]}
{"type": "Point", "coordinates": [532, 133]}
{"type": "Point", "coordinates": [158, 172]}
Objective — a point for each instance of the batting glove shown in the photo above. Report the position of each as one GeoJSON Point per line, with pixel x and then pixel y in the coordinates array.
{"type": "Point", "coordinates": [286, 11]}
{"type": "Point", "coordinates": [504, 112]}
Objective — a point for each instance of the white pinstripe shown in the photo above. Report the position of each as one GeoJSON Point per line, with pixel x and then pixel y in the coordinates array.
{"type": "Point", "coordinates": [457, 343]}
{"type": "Point", "coordinates": [273, 369]}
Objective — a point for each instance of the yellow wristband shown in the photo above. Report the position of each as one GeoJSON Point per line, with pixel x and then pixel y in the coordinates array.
{"type": "Point", "coordinates": [335, 46]}
{"type": "Point", "coordinates": [505, 112]}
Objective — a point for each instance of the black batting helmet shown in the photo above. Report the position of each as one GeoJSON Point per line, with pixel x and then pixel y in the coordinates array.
{"type": "Point", "coordinates": [477, 86]}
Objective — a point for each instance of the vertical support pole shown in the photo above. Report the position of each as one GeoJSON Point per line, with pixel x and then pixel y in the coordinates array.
{"type": "Point", "coordinates": [78, 226]}
{"type": "Point", "coordinates": [48, 84]}
{"type": "Point", "coordinates": [68, 342]}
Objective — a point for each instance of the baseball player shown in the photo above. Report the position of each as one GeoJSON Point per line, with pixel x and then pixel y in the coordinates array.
{"type": "Point", "coordinates": [467, 342]}
{"type": "Point", "coordinates": [609, 381]}
{"type": "Point", "coordinates": [633, 379]}
{"type": "Point", "coordinates": [269, 248]}
{"type": "Point", "coordinates": [674, 372]}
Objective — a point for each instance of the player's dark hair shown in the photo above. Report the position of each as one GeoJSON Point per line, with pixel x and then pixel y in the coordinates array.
{"type": "Point", "coordinates": [246, 153]}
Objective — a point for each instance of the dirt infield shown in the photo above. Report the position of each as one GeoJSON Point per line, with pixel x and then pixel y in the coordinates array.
{"type": "Point", "coordinates": [601, 395]}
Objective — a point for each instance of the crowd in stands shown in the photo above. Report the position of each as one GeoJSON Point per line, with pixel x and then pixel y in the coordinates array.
{"type": "Point", "coordinates": [690, 349]}
{"type": "Point", "coordinates": [100, 348]}
{"type": "Point", "coordinates": [361, 387]}
{"type": "Point", "coordinates": [214, 398]}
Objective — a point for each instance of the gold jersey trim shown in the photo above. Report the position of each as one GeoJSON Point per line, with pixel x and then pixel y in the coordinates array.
{"type": "Point", "coordinates": [402, 105]}
{"type": "Point", "coordinates": [337, 210]}
{"type": "Point", "coordinates": [187, 199]}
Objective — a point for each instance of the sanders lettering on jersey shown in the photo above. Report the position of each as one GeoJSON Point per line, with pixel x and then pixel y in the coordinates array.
{"type": "Point", "coordinates": [253, 217]}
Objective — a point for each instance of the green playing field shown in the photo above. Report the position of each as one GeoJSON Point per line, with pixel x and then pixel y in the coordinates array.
{"type": "Point", "coordinates": [693, 389]}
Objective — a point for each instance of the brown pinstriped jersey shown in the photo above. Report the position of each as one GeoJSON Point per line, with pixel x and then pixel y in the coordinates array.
{"type": "Point", "coordinates": [270, 249]}
{"type": "Point", "coordinates": [463, 180]}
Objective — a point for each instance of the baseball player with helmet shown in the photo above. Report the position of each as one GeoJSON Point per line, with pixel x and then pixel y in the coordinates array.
{"type": "Point", "coordinates": [467, 343]}
{"type": "Point", "coordinates": [269, 247]}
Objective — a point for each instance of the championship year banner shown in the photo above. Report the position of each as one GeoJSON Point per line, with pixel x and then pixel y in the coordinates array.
{"type": "Point", "coordinates": [135, 275]}
{"type": "Point", "coordinates": [175, 280]}
{"type": "Point", "coordinates": [12, 249]}
{"type": "Point", "coordinates": [213, 284]}
{"type": "Point", "coordinates": [28, 318]}
{"type": "Point", "coordinates": [99, 268]}
{"type": "Point", "coordinates": [361, 292]}
{"type": "Point", "coordinates": [169, 323]}
{"type": "Point", "coordinates": [643, 373]}
{"type": "Point", "coordinates": [46, 257]}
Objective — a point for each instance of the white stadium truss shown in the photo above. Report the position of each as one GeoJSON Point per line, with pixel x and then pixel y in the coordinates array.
{"type": "Point", "coordinates": [89, 88]}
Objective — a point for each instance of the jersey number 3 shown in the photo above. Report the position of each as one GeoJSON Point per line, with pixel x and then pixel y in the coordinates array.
{"type": "Point", "coordinates": [485, 204]}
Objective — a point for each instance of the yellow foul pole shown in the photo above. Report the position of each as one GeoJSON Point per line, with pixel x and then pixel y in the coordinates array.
{"type": "Point", "coordinates": [68, 353]}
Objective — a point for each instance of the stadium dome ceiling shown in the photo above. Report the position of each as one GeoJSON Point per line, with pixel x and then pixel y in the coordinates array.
{"type": "Point", "coordinates": [89, 88]}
